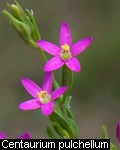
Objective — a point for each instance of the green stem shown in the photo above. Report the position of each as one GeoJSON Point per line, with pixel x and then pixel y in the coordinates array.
{"type": "Point", "coordinates": [42, 54]}
{"type": "Point", "coordinates": [67, 79]}
{"type": "Point", "coordinates": [63, 76]}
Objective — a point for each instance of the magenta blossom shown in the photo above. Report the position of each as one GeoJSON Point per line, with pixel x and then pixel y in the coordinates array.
{"type": "Point", "coordinates": [42, 97]}
{"type": "Point", "coordinates": [26, 135]}
{"type": "Point", "coordinates": [118, 132]}
{"type": "Point", "coordinates": [65, 54]}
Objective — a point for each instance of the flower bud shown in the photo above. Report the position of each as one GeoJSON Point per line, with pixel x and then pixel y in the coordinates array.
{"type": "Point", "coordinates": [15, 11]}
{"type": "Point", "coordinates": [24, 24]}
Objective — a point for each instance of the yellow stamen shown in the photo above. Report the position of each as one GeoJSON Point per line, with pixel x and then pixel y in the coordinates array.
{"type": "Point", "coordinates": [65, 53]}
{"type": "Point", "coordinates": [43, 96]}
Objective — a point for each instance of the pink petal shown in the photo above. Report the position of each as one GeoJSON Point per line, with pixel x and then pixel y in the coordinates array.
{"type": "Point", "coordinates": [58, 92]}
{"type": "Point", "coordinates": [47, 108]}
{"type": "Point", "coordinates": [2, 135]}
{"type": "Point", "coordinates": [30, 104]}
{"type": "Point", "coordinates": [47, 82]}
{"type": "Point", "coordinates": [53, 64]}
{"type": "Point", "coordinates": [26, 135]}
{"type": "Point", "coordinates": [49, 47]}
{"type": "Point", "coordinates": [31, 87]}
{"type": "Point", "coordinates": [73, 64]}
{"type": "Point", "coordinates": [118, 132]}
{"type": "Point", "coordinates": [65, 35]}
{"type": "Point", "coordinates": [81, 45]}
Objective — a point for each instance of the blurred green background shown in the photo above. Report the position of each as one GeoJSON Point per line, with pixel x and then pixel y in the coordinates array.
{"type": "Point", "coordinates": [96, 91]}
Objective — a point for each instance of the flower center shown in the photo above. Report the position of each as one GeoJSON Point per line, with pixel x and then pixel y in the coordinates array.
{"type": "Point", "coordinates": [65, 52]}
{"type": "Point", "coordinates": [43, 96]}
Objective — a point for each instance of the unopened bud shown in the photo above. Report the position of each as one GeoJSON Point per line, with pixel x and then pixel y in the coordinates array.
{"type": "Point", "coordinates": [25, 25]}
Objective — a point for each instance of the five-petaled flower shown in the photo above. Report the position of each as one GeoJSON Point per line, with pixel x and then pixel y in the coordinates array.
{"type": "Point", "coordinates": [65, 54]}
{"type": "Point", "coordinates": [25, 135]}
{"type": "Point", "coordinates": [42, 97]}
{"type": "Point", "coordinates": [118, 132]}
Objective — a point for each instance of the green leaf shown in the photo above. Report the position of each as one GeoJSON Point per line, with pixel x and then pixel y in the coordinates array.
{"type": "Point", "coordinates": [73, 127]}
{"type": "Point", "coordinates": [69, 114]}
{"type": "Point", "coordinates": [58, 118]}
{"type": "Point", "coordinates": [67, 102]}
{"type": "Point", "coordinates": [59, 111]}
{"type": "Point", "coordinates": [112, 146]}
{"type": "Point", "coordinates": [63, 133]}
{"type": "Point", "coordinates": [50, 133]}
{"type": "Point", "coordinates": [105, 136]}
{"type": "Point", "coordinates": [104, 133]}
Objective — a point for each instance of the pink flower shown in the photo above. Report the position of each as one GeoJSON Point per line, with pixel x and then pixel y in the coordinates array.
{"type": "Point", "coordinates": [26, 135]}
{"type": "Point", "coordinates": [65, 54]}
{"type": "Point", "coordinates": [118, 132]}
{"type": "Point", "coordinates": [42, 97]}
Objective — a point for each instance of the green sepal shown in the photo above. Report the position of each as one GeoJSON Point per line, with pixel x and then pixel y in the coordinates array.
{"type": "Point", "coordinates": [73, 127]}
{"type": "Point", "coordinates": [18, 25]}
{"type": "Point", "coordinates": [64, 104]}
{"type": "Point", "coordinates": [21, 14]}
{"type": "Point", "coordinates": [67, 102]}
{"type": "Point", "coordinates": [67, 125]}
{"type": "Point", "coordinates": [59, 118]}
{"type": "Point", "coordinates": [15, 11]}
{"type": "Point", "coordinates": [50, 133]}
{"type": "Point", "coordinates": [69, 114]}
{"type": "Point", "coordinates": [63, 133]}
{"type": "Point", "coordinates": [36, 34]}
